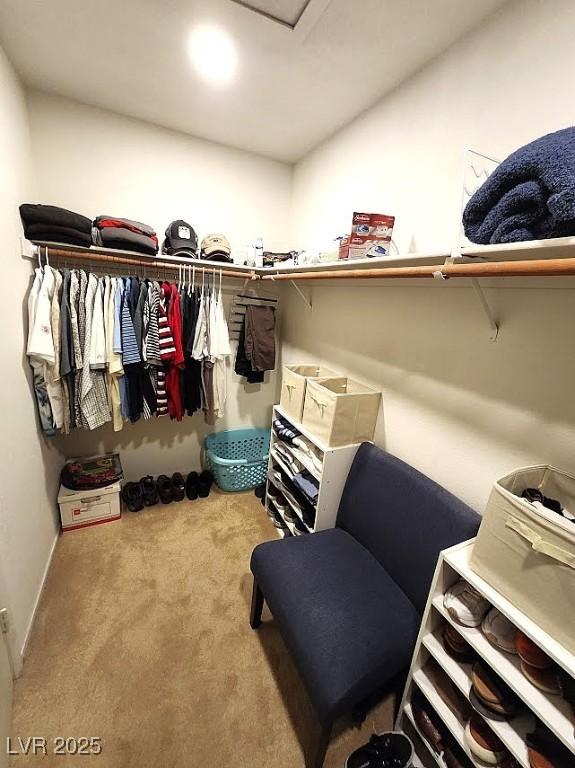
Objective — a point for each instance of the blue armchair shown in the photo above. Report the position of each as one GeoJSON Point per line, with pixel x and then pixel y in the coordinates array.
{"type": "Point", "coordinates": [349, 601]}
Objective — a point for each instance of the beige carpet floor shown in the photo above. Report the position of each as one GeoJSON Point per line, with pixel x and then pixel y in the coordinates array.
{"type": "Point", "coordinates": [142, 638]}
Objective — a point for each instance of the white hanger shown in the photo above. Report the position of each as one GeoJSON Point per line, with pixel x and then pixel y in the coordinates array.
{"type": "Point", "coordinates": [47, 259]}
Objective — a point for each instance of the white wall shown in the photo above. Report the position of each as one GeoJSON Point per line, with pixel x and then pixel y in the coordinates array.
{"type": "Point", "coordinates": [461, 409]}
{"type": "Point", "coordinates": [97, 162]}
{"type": "Point", "coordinates": [29, 465]}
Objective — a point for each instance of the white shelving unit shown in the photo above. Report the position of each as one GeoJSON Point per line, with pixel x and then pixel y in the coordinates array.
{"type": "Point", "coordinates": [554, 711]}
{"type": "Point", "coordinates": [331, 478]}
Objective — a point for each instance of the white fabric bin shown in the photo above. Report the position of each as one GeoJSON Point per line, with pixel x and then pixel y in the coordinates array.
{"type": "Point", "coordinates": [79, 509]}
{"type": "Point", "coordinates": [294, 381]}
{"type": "Point", "coordinates": [528, 552]}
{"type": "Point", "coordinates": [340, 411]}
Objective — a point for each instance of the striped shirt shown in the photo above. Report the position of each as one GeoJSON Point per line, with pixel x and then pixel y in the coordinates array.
{"type": "Point", "coordinates": [167, 347]}
{"type": "Point", "coordinates": [130, 351]}
{"type": "Point", "coordinates": [161, 394]}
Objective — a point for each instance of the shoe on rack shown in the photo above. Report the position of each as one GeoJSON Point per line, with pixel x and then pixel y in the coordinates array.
{"type": "Point", "coordinates": [150, 491]}
{"type": "Point", "coordinates": [192, 481]}
{"type": "Point", "coordinates": [205, 483]}
{"type": "Point", "coordinates": [465, 604]}
{"type": "Point", "coordinates": [178, 487]}
{"type": "Point", "coordinates": [277, 520]}
{"type": "Point", "coordinates": [133, 496]}
{"type": "Point", "coordinates": [299, 527]}
{"type": "Point", "coordinates": [483, 742]}
{"type": "Point", "coordinates": [383, 749]}
{"type": "Point", "coordinates": [499, 631]}
{"type": "Point", "coordinates": [165, 489]}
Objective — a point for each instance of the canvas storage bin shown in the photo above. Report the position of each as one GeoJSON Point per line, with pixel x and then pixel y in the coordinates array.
{"type": "Point", "coordinates": [528, 554]}
{"type": "Point", "coordinates": [294, 380]}
{"type": "Point", "coordinates": [339, 411]}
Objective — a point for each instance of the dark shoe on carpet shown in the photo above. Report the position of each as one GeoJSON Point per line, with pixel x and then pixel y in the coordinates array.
{"type": "Point", "coordinates": [150, 491]}
{"type": "Point", "coordinates": [192, 485]}
{"type": "Point", "coordinates": [178, 487]}
{"type": "Point", "coordinates": [386, 749]}
{"type": "Point", "coordinates": [165, 489]}
{"type": "Point", "coordinates": [205, 483]}
{"type": "Point", "coordinates": [133, 496]}
{"type": "Point", "coordinates": [260, 490]}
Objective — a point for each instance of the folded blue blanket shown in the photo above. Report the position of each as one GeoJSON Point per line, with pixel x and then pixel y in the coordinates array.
{"type": "Point", "coordinates": [530, 196]}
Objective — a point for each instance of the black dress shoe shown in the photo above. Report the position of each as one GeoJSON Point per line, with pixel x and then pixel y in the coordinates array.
{"type": "Point", "coordinates": [178, 487]}
{"type": "Point", "coordinates": [386, 750]}
{"type": "Point", "coordinates": [205, 483]}
{"type": "Point", "coordinates": [165, 489]}
{"type": "Point", "coordinates": [133, 496]}
{"type": "Point", "coordinates": [260, 490]}
{"type": "Point", "coordinates": [192, 485]}
{"type": "Point", "coordinates": [150, 491]}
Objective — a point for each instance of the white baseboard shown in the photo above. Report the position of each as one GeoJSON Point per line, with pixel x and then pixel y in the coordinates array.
{"type": "Point", "coordinates": [38, 597]}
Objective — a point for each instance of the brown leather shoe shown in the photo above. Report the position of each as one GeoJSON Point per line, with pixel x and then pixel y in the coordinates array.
{"type": "Point", "coordinates": [495, 696]}
{"type": "Point", "coordinates": [530, 652]}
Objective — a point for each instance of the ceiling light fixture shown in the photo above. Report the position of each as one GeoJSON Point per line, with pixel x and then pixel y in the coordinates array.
{"type": "Point", "coordinates": [213, 54]}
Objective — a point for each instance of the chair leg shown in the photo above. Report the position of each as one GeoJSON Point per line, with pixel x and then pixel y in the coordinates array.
{"type": "Point", "coordinates": [257, 606]}
{"type": "Point", "coordinates": [319, 747]}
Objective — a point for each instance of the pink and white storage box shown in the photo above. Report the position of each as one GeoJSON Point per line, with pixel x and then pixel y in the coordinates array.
{"type": "Point", "coordinates": [80, 509]}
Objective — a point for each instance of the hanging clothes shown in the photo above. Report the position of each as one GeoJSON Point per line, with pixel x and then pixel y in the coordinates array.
{"type": "Point", "coordinates": [37, 342]}
{"type": "Point", "coordinates": [93, 395]}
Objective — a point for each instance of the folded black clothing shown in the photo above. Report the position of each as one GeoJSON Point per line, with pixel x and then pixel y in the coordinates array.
{"type": "Point", "coordinates": [308, 485]}
{"type": "Point", "coordinates": [529, 196]}
{"type": "Point", "coordinates": [53, 216]}
{"type": "Point", "coordinates": [125, 239]}
{"type": "Point", "coordinates": [51, 234]}
{"type": "Point", "coordinates": [136, 226]}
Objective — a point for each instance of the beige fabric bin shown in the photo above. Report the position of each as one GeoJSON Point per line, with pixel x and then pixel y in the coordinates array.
{"type": "Point", "coordinates": [528, 553]}
{"type": "Point", "coordinates": [340, 411]}
{"type": "Point", "coordinates": [294, 385]}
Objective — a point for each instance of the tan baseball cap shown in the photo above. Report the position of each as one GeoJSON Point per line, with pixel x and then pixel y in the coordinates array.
{"type": "Point", "coordinates": [216, 245]}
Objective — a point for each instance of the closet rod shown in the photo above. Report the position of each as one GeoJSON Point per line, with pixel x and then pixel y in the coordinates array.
{"type": "Point", "coordinates": [534, 268]}
{"type": "Point", "coordinates": [59, 253]}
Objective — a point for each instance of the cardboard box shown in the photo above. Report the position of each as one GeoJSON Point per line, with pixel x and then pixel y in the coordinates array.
{"type": "Point", "coordinates": [370, 236]}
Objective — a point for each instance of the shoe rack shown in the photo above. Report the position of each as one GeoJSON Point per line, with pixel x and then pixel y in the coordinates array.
{"type": "Point", "coordinates": [335, 465]}
{"type": "Point", "coordinates": [552, 710]}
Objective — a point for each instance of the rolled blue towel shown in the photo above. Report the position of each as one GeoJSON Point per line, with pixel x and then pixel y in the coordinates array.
{"type": "Point", "coordinates": [530, 196]}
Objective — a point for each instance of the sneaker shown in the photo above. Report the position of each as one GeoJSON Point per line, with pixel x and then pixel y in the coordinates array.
{"type": "Point", "coordinates": [150, 491]}
{"type": "Point", "coordinates": [277, 520]}
{"type": "Point", "coordinates": [178, 487]}
{"type": "Point", "coordinates": [133, 496]}
{"type": "Point", "coordinates": [383, 749]}
{"type": "Point", "coordinates": [499, 631]}
{"type": "Point", "coordinates": [192, 482]}
{"type": "Point", "coordinates": [465, 604]}
{"type": "Point", "coordinates": [165, 489]}
{"type": "Point", "coordinates": [290, 515]}
{"type": "Point", "coordinates": [205, 483]}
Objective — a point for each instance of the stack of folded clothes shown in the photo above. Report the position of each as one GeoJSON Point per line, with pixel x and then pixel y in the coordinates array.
{"type": "Point", "coordinates": [530, 196]}
{"type": "Point", "coordinates": [48, 223]}
{"type": "Point", "coordinates": [125, 235]}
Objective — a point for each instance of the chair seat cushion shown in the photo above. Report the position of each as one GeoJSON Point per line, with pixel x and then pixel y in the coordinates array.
{"type": "Point", "coordinates": [348, 626]}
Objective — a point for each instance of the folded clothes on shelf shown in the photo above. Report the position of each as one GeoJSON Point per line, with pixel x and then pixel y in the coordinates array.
{"type": "Point", "coordinates": [49, 223]}
{"type": "Point", "coordinates": [125, 234]}
{"type": "Point", "coordinates": [286, 431]}
{"type": "Point", "coordinates": [308, 485]}
{"type": "Point", "coordinates": [529, 196]}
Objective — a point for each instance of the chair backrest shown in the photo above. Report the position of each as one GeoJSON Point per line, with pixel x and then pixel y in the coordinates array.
{"type": "Point", "coordinates": [403, 518]}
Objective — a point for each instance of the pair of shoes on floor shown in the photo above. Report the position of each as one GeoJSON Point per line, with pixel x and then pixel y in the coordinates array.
{"type": "Point", "coordinates": [136, 496]}
{"type": "Point", "coordinates": [171, 488]}
{"type": "Point", "coordinates": [199, 484]}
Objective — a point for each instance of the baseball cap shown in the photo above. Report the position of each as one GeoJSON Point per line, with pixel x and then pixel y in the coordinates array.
{"type": "Point", "coordinates": [180, 237]}
{"type": "Point", "coordinates": [216, 248]}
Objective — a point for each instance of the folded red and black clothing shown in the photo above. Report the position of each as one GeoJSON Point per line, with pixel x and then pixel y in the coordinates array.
{"type": "Point", "coordinates": [49, 223]}
{"type": "Point", "coordinates": [125, 234]}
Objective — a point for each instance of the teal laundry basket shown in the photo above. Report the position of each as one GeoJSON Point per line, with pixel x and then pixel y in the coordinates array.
{"type": "Point", "coordinates": [238, 457]}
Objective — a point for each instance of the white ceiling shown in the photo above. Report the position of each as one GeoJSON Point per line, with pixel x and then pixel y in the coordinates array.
{"type": "Point", "coordinates": [294, 87]}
